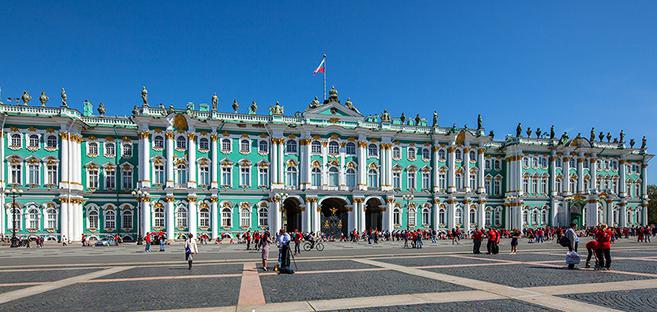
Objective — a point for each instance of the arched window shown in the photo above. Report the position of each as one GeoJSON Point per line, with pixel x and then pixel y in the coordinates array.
{"type": "Point", "coordinates": [226, 145]}
{"type": "Point", "coordinates": [473, 216]}
{"type": "Point", "coordinates": [316, 177]}
{"type": "Point", "coordinates": [372, 178]}
{"type": "Point", "coordinates": [204, 218]}
{"type": "Point", "coordinates": [263, 147]}
{"type": "Point", "coordinates": [535, 217]}
{"type": "Point", "coordinates": [333, 177]}
{"type": "Point", "coordinates": [489, 217]}
{"type": "Point", "coordinates": [498, 216]}
{"type": "Point", "coordinates": [412, 216]}
{"type": "Point", "coordinates": [126, 150]}
{"type": "Point", "coordinates": [396, 152]}
{"type": "Point", "coordinates": [158, 142]}
{"type": "Point", "coordinates": [442, 217]}
{"type": "Point", "coordinates": [291, 146]}
{"type": "Point", "coordinates": [411, 179]}
{"type": "Point", "coordinates": [458, 183]}
{"type": "Point", "coordinates": [126, 220]}
{"type": "Point", "coordinates": [601, 216]}
{"type": "Point", "coordinates": [544, 216]}
{"type": "Point", "coordinates": [426, 153]}
{"type": "Point", "coordinates": [14, 222]}
{"type": "Point", "coordinates": [92, 148]}
{"type": "Point", "coordinates": [51, 142]}
{"type": "Point", "coordinates": [411, 153]}
{"type": "Point", "coordinates": [473, 156]}
{"type": "Point", "coordinates": [458, 215]}
{"type": "Point", "coordinates": [629, 217]}
{"type": "Point", "coordinates": [16, 140]}
{"type": "Point", "coordinates": [181, 143]}
{"type": "Point", "coordinates": [316, 147]}
{"type": "Point", "coordinates": [203, 144]}
{"type": "Point", "coordinates": [51, 218]}
{"type": "Point", "coordinates": [226, 218]}
{"type": "Point", "coordinates": [245, 217]}
{"type": "Point", "coordinates": [350, 148]}
{"type": "Point", "coordinates": [458, 155]}
{"type": "Point", "coordinates": [263, 216]}
{"type": "Point", "coordinates": [181, 175]}
{"type": "Point", "coordinates": [372, 150]}
{"type": "Point", "coordinates": [158, 217]}
{"type": "Point", "coordinates": [110, 219]}
{"type": "Point", "coordinates": [525, 216]}
{"type": "Point", "coordinates": [425, 216]}
{"type": "Point", "coordinates": [291, 180]}
{"type": "Point", "coordinates": [616, 216]}
{"type": "Point", "coordinates": [92, 219]}
{"type": "Point", "coordinates": [33, 218]}
{"type": "Point", "coordinates": [33, 141]}
{"type": "Point", "coordinates": [181, 217]}
{"type": "Point", "coordinates": [245, 146]}
{"type": "Point", "coordinates": [396, 217]}
{"type": "Point", "coordinates": [351, 178]}
{"type": "Point", "coordinates": [333, 148]}
{"type": "Point", "coordinates": [442, 154]}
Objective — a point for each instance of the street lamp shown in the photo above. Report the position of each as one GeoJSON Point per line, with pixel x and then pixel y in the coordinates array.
{"type": "Point", "coordinates": [14, 193]}
{"type": "Point", "coordinates": [141, 195]}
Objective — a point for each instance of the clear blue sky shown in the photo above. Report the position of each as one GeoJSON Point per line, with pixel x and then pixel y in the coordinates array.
{"type": "Point", "coordinates": [575, 64]}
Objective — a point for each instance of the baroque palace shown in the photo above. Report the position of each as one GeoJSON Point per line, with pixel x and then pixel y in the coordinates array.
{"type": "Point", "coordinates": [329, 169]}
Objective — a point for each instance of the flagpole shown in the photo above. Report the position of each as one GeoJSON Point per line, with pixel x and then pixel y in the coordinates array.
{"type": "Point", "coordinates": [324, 76]}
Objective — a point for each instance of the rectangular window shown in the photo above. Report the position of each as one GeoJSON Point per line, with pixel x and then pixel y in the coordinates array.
{"type": "Point", "coordinates": [411, 180]}
{"type": "Point", "coordinates": [126, 150]}
{"type": "Point", "coordinates": [93, 179]}
{"type": "Point", "coordinates": [245, 176]}
{"type": "Point", "coordinates": [497, 187]}
{"type": "Point", "coordinates": [52, 177]}
{"type": "Point", "coordinates": [110, 149]}
{"type": "Point", "coordinates": [426, 181]}
{"type": "Point", "coordinates": [126, 178]}
{"type": "Point", "coordinates": [442, 181]}
{"type": "Point", "coordinates": [396, 180]}
{"type": "Point", "coordinates": [263, 177]}
{"type": "Point", "coordinates": [16, 173]}
{"type": "Point", "coordinates": [33, 174]}
{"type": "Point", "coordinates": [158, 174]}
{"type": "Point", "coordinates": [226, 176]}
{"type": "Point", "coordinates": [110, 179]}
{"type": "Point", "coordinates": [204, 173]}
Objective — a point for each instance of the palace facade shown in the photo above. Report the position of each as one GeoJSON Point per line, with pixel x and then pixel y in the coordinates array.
{"type": "Point", "coordinates": [327, 169]}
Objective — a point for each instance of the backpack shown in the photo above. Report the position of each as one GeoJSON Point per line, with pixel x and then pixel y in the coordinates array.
{"type": "Point", "coordinates": [564, 241]}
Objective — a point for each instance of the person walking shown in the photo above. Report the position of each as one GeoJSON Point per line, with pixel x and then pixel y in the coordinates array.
{"type": "Point", "coordinates": [573, 241]}
{"type": "Point", "coordinates": [147, 239]}
{"type": "Point", "coordinates": [515, 236]}
{"type": "Point", "coordinates": [492, 238]}
{"type": "Point", "coordinates": [190, 250]}
{"type": "Point", "coordinates": [603, 236]}
{"type": "Point", "coordinates": [162, 240]}
{"type": "Point", "coordinates": [477, 236]}
{"type": "Point", "coordinates": [265, 241]}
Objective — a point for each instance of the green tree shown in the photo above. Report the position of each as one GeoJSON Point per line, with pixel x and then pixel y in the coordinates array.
{"type": "Point", "coordinates": [652, 204]}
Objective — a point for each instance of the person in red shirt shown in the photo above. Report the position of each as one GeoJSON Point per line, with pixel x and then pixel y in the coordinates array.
{"type": "Point", "coordinates": [492, 239]}
{"type": "Point", "coordinates": [592, 248]}
{"type": "Point", "coordinates": [477, 236]}
{"type": "Point", "coordinates": [603, 237]}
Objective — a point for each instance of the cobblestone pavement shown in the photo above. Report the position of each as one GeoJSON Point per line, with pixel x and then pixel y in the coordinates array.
{"type": "Point", "coordinates": [345, 276]}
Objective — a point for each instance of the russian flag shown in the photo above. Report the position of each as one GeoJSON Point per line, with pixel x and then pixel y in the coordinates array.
{"type": "Point", "coordinates": [321, 68]}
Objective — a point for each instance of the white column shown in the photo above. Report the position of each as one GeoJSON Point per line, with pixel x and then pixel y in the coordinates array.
{"type": "Point", "coordinates": [592, 213]}
{"type": "Point", "coordinates": [644, 214]}
{"type": "Point", "coordinates": [64, 225]}
{"type": "Point", "coordinates": [306, 220]}
{"type": "Point", "coordinates": [170, 178]}
{"type": "Point", "coordinates": [215, 163]}
{"type": "Point", "coordinates": [145, 216]}
{"type": "Point", "coordinates": [324, 166]}
{"type": "Point", "coordinates": [623, 183]}
{"type": "Point", "coordinates": [466, 218]}
{"type": "Point", "coordinates": [389, 212]}
{"type": "Point", "coordinates": [191, 180]}
{"type": "Point", "coordinates": [351, 217]}
{"type": "Point", "coordinates": [451, 216]}
{"type": "Point", "coordinates": [307, 158]}
{"type": "Point", "coordinates": [343, 169]}
{"type": "Point", "coordinates": [281, 162]}
{"type": "Point", "coordinates": [145, 159]}
{"type": "Point", "coordinates": [466, 170]}
{"type": "Point", "coordinates": [593, 172]}
{"type": "Point", "coordinates": [580, 174]}
{"type": "Point", "coordinates": [644, 183]}
{"type": "Point", "coordinates": [388, 168]}
{"type": "Point", "coordinates": [274, 163]}
{"type": "Point", "coordinates": [553, 176]}
{"type": "Point", "coordinates": [481, 214]}
{"type": "Point", "coordinates": [64, 162]}
{"type": "Point", "coordinates": [382, 166]}
{"type": "Point", "coordinates": [77, 220]}
{"type": "Point", "coordinates": [554, 220]}
{"type": "Point", "coordinates": [277, 217]}
{"type": "Point", "coordinates": [610, 212]}
{"type": "Point", "coordinates": [171, 224]}
{"type": "Point", "coordinates": [451, 171]}
{"type": "Point", "coordinates": [304, 164]}
{"type": "Point", "coordinates": [360, 209]}
{"type": "Point", "coordinates": [481, 163]}
{"type": "Point", "coordinates": [622, 218]}
{"type": "Point", "coordinates": [362, 165]}
{"type": "Point", "coordinates": [192, 214]}
{"type": "Point", "coordinates": [316, 216]}
{"type": "Point", "coordinates": [214, 218]}
{"type": "Point", "coordinates": [436, 166]}
{"type": "Point", "coordinates": [435, 215]}
{"type": "Point", "coordinates": [565, 184]}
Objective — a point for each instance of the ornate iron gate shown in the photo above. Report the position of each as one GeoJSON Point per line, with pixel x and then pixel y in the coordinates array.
{"type": "Point", "coordinates": [332, 224]}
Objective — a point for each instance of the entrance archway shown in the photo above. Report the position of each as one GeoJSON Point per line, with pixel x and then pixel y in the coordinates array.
{"type": "Point", "coordinates": [577, 214]}
{"type": "Point", "coordinates": [292, 214]}
{"type": "Point", "coordinates": [334, 217]}
{"type": "Point", "coordinates": [373, 214]}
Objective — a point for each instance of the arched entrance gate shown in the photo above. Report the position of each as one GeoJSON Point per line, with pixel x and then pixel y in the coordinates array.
{"type": "Point", "coordinates": [373, 214]}
{"type": "Point", "coordinates": [292, 214]}
{"type": "Point", "coordinates": [334, 217]}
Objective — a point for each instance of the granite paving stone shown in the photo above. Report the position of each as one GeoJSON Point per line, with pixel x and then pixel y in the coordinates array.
{"type": "Point", "coordinates": [533, 275]}
{"type": "Point", "coordinates": [325, 265]}
{"type": "Point", "coordinates": [133, 296]}
{"type": "Point", "coordinates": [626, 300]}
{"type": "Point", "coordinates": [178, 270]}
{"type": "Point", "coordinates": [295, 287]}
{"type": "Point", "coordinates": [431, 260]}
{"type": "Point", "coordinates": [41, 276]}
{"type": "Point", "coordinates": [501, 305]}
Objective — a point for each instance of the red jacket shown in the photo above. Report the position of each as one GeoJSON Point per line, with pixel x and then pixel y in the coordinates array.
{"type": "Point", "coordinates": [604, 239]}
{"type": "Point", "coordinates": [592, 245]}
{"type": "Point", "coordinates": [492, 235]}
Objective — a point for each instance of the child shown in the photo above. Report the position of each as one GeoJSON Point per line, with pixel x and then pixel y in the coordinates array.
{"type": "Point", "coordinates": [592, 248]}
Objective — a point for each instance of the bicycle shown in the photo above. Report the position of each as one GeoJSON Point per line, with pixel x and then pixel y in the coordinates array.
{"type": "Point", "coordinates": [309, 245]}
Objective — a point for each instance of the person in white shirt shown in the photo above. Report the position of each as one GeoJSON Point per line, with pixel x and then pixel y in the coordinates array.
{"type": "Point", "coordinates": [190, 250]}
{"type": "Point", "coordinates": [283, 241]}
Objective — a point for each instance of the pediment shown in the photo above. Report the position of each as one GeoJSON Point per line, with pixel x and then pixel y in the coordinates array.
{"type": "Point", "coordinates": [332, 109]}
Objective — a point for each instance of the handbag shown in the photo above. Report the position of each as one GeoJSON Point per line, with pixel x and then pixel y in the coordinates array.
{"type": "Point", "coordinates": [572, 258]}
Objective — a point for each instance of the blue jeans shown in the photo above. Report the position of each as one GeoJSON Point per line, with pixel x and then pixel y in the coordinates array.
{"type": "Point", "coordinates": [148, 247]}
{"type": "Point", "coordinates": [161, 245]}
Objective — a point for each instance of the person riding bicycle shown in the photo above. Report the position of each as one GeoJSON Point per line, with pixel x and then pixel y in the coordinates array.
{"type": "Point", "coordinates": [311, 238]}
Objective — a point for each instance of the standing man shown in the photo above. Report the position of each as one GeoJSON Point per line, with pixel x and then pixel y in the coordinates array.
{"type": "Point", "coordinates": [247, 236]}
{"type": "Point", "coordinates": [284, 252]}
{"type": "Point", "coordinates": [573, 241]}
{"type": "Point", "coordinates": [492, 238]}
{"type": "Point", "coordinates": [476, 239]}
{"type": "Point", "coordinates": [147, 239]}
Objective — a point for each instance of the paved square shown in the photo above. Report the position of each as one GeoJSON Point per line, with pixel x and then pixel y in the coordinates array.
{"type": "Point", "coordinates": [345, 276]}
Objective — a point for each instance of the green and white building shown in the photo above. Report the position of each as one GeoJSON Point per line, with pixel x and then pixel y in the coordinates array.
{"type": "Point", "coordinates": [327, 169]}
